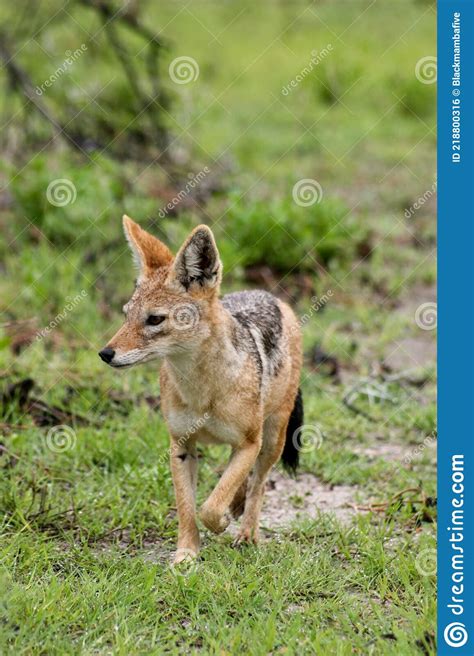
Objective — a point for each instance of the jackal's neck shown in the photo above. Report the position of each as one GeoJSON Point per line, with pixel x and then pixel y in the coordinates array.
{"type": "Point", "coordinates": [202, 372]}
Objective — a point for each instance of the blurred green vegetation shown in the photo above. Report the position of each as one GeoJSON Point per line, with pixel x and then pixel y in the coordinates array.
{"type": "Point", "coordinates": [360, 124]}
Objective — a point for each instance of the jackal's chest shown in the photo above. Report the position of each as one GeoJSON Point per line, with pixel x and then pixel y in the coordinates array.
{"type": "Point", "coordinates": [204, 427]}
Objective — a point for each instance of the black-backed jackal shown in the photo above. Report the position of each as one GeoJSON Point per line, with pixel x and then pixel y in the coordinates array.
{"type": "Point", "coordinates": [230, 375]}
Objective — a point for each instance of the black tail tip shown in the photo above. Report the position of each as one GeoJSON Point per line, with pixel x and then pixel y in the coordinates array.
{"type": "Point", "coordinates": [291, 451]}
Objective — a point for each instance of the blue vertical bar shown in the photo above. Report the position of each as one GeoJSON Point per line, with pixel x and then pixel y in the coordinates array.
{"type": "Point", "coordinates": [456, 326]}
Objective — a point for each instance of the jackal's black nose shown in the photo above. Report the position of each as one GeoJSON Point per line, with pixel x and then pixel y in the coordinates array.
{"type": "Point", "coordinates": [107, 354]}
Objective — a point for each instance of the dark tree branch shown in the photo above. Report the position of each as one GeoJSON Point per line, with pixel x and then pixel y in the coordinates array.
{"type": "Point", "coordinates": [21, 82]}
{"type": "Point", "coordinates": [147, 100]}
{"type": "Point", "coordinates": [144, 102]}
{"type": "Point", "coordinates": [126, 16]}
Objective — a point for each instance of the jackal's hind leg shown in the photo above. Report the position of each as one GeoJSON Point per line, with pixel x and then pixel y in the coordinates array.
{"type": "Point", "coordinates": [238, 502]}
{"type": "Point", "coordinates": [274, 433]}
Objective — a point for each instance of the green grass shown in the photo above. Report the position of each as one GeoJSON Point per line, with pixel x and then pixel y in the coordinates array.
{"type": "Point", "coordinates": [87, 531]}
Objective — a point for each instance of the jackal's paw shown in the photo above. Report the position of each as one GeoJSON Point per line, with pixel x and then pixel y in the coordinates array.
{"type": "Point", "coordinates": [245, 536]}
{"type": "Point", "coordinates": [184, 555]}
{"type": "Point", "coordinates": [213, 520]}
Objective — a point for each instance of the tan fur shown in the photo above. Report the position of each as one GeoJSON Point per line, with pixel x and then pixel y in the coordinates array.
{"type": "Point", "coordinates": [151, 252]}
{"type": "Point", "coordinates": [210, 391]}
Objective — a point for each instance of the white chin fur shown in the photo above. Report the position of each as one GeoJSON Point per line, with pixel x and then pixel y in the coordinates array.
{"type": "Point", "coordinates": [133, 357]}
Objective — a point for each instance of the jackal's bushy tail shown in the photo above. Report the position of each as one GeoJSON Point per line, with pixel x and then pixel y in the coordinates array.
{"type": "Point", "coordinates": [291, 451]}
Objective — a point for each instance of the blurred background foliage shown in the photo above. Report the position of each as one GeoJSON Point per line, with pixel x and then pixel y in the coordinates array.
{"type": "Point", "coordinates": [121, 136]}
{"type": "Point", "coordinates": [128, 138]}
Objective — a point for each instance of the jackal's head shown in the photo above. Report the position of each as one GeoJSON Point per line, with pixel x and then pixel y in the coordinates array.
{"type": "Point", "coordinates": [172, 308]}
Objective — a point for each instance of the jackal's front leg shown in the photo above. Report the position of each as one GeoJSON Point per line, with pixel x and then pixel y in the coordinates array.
{"type": "Point", "coordinates": [214, 513]}
{"type": "Point", "coordinates": [184, 473]}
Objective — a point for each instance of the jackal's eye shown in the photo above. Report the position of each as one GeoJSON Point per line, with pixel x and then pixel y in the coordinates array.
{"type": "Point", "coordinates": [155, 319]}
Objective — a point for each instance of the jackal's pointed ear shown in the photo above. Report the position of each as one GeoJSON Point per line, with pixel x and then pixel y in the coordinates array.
{"type": "Point", "coordinates": [149, 253]}
{"type": "Point", "coordinates": [198, 260]}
